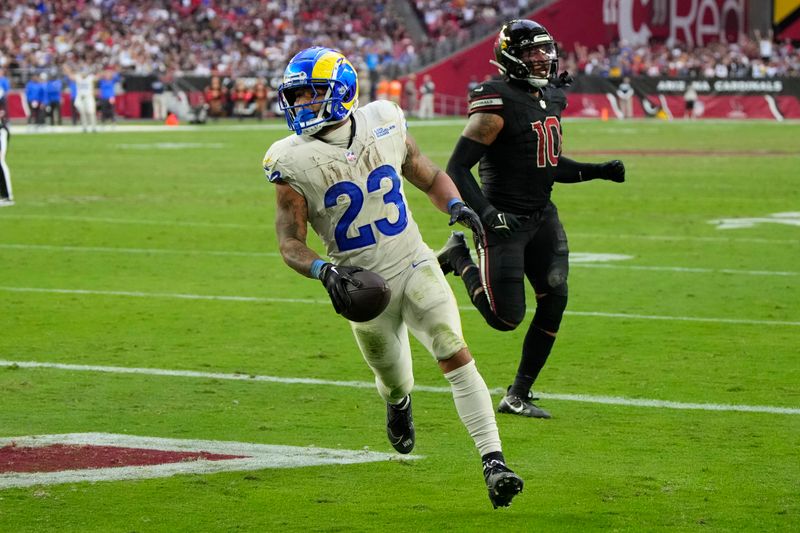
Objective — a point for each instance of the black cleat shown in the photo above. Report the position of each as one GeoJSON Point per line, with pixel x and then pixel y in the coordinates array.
{"type": "Point", "coordinates": [502, 482]}
{"type": "Point", "coordinates": [455, 242]}
{"type": "Point", "coordinates": [514, 405]}
{"type": "Point", "coordinates": [400, 426]}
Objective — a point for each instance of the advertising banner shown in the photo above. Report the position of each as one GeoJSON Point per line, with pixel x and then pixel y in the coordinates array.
{"type": "Point", "coordinates": [774, 98]}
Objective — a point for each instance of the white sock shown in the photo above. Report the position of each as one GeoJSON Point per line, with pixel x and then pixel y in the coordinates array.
{"type": "Point", "coordinates": [474, 406]}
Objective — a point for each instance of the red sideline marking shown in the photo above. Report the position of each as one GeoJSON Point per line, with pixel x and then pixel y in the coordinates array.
{"type": "Point", "coordinates": [58, 457]}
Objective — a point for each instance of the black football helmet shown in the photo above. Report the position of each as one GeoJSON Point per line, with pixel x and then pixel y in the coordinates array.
{"type": "Point", "coordinates": [525, 51]}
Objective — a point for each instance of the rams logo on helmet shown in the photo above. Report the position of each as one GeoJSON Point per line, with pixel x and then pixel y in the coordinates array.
{"type": "Point", "coordinates": [333, 83]}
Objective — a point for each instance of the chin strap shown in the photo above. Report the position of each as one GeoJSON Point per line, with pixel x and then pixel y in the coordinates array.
{"type": "Point", "coordinates": [303, 116]}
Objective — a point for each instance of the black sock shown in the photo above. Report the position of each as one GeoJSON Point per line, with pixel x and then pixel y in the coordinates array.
{"type": "Point", "coordinates": [535, 349]}
{"type": "Point", "coordinates": [493, 456]}
{"type": "Point", "coordinates": [472, 278]}
{"type": "Point", "coordinates": [460, 259]}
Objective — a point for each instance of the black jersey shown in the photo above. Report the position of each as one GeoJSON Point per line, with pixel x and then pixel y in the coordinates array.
{"type": "Point", "coordinates": [518, 169]}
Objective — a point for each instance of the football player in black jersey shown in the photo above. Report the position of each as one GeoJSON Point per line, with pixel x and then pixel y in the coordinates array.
{"type": "Point", "coordinates": [514, 131]}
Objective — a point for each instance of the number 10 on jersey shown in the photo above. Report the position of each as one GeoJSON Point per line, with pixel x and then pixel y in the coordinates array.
{"type": "Point", "coordinates": [549, 134]}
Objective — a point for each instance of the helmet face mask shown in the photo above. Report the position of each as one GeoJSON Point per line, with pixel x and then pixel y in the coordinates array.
{"type": "Point", "coordinates": [526, 51]}
{"type": "Point", "coordinates": [333, 86]}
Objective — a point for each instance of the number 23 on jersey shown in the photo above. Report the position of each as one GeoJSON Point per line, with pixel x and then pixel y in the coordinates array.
{"type": "Point", "coordinates": [365, 234]}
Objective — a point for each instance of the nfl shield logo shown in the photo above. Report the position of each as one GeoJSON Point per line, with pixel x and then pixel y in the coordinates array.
{"type": "Point", "coordinates": [350, 156]}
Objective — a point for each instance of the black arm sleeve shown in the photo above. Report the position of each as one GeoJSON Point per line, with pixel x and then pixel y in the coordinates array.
{"type": "Point", "coordinates": [569, 171]}
{"type": "Point", "coordinates": [466, 155]}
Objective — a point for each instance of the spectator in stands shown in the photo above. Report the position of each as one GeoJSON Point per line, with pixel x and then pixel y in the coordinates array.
{"type": "Point", "coordinates": [108, 98]}
{"type": "Point", "coordinates": [690, 100]}
{"type": "Point", "coordinates": [396, 92]}
{"type": "Point", "coordinates": [364, 83]}
{"type": "Point", "coordinates": [382, 90]}
{"type": "Point", "coordinates": [34, 96]}
{"type": "Point", "coordinates": [410, 90]}
{"type": "Point", "coordinates": [215, 98]}
{"type": "Point", "coordinates": [426, 101]}
{"type": "Point", "coordinates": [5, 89]}
{"type": "Point", "coordinates": [242, 97]}
{"type": "Point", "coordinates": [54, 88]}
{"type": "Point", "coordinates": [73, 92]}
{"type": "Point", "coordinates": [625, 97]}
{"type": "Point", "coordinates": [6, 194]}
{"type": "Point", "coordinates": [765, 47]}
{"type": "Point", "coordinates": [228, 86]}
{"type": "Point", "coordinates": [261, 98]}
{"type": "Point", "coordinates": [159, 97]}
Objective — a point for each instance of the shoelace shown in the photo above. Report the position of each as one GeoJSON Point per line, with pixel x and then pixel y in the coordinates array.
{"type": "Point", "coordinates": [492, 463]}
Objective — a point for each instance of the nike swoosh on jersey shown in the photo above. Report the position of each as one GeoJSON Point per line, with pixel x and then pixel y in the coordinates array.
{"type": "Point", "coordinates": [418, 263]}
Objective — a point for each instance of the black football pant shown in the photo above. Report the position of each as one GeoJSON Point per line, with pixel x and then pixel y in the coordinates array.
{"type": "Point", "coordinates": [538, 252]}
{"type": "Point", "coordinates": [5, 175]}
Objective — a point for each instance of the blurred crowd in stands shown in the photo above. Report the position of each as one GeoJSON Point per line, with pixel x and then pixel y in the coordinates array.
{"type": "Point", "coordinates": [234, 37]}
{"type": "Point", "coordinates": [243, 46]}
{"type": "Point", "coordinates": [757, 57]}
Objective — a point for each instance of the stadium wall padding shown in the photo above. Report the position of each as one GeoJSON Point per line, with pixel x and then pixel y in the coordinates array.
{"type": "Point", "coordinates": [593, 22]}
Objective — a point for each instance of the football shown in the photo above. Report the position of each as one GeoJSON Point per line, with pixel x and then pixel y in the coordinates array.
{"type": "Point", "coordinates": [369, 299]}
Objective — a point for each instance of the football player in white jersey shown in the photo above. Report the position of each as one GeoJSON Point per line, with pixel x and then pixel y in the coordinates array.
{"type": "Point", "coordinates": [342, 171]}
{"type": "Point", "coordinates": [85, 101]}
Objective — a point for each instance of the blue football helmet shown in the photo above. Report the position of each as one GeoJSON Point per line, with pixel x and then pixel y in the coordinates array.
{"type": "Point", "coordinates": [334, 85]}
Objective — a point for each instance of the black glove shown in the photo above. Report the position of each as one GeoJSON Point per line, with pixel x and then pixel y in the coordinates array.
{"type": "Point", "coordinates": [334, 277]}
{"type": "Point", "coordinates": [504, 224]}
{"type": "Point", "coordinates": [612, 171]}
{"type": "Point", "coordinates": [564, 80]}
{"type": "Point", "coordinates": [460, 212]}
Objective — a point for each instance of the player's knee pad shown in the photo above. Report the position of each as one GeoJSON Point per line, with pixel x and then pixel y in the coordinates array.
{"type": "Point", "coordinates": [549, 311]}
{"type": "Point", "coordinates": [557, 278]}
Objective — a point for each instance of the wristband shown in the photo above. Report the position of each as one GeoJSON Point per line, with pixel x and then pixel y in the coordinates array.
{"type": "Point", "coordinates": [316, 268]}
{"type": "Point", "coordinates": [454, 201]}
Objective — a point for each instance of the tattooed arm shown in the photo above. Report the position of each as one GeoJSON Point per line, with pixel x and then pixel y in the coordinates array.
{"type": "Point", "coordinates": [291, 226]}
{"type": "Point", "coordinates": [427, 177]}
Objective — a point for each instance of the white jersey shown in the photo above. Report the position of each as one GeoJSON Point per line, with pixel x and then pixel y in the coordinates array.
{"type": "Point", "coordinates": [84, 84]}
{"type": "Point", "coordinates": [356, 202]}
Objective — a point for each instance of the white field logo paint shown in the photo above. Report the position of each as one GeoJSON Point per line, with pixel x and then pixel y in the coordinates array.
{"type": "Point", "coordinates": [78, 457]}
{"type": "Point", "coordinates": [788, 219]}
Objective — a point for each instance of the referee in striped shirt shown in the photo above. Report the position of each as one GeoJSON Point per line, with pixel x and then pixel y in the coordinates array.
{"type": "Point", "coordinates": [6, 196]}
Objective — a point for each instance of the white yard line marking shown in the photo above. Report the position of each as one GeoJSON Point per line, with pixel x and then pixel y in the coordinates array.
{"type": "Point", "coordinates": [257, 457]}
{"type": "Point", "coordinates": [156, 127]}
{"type": "Point", "coordinates": [585, 398]}
{"type": "Point", "coordinates": [168, 295]}
{"type": "Point", "coordinates": [262, 299]}
{"type": "Point", "coordinates": [577, 261]}
{"type": "Point", "coordinates": [167, 223]}
{"type": "Point", "coordinates": [109, 249]}
{"type": "Point", "coordinates": [147, 222]}
{"type": "Point", "coordinates": [730, 240]}
{"type": "Point", "coordinates": [690, 270]}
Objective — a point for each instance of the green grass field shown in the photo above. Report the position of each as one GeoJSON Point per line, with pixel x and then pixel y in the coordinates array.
{"type": "Point", "coordinates": [157, 250]}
